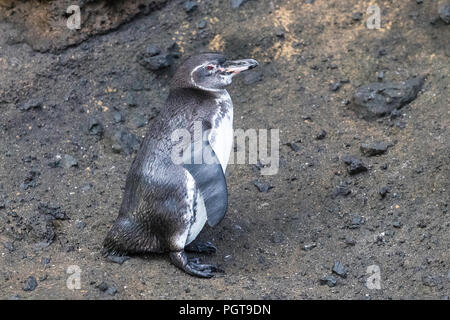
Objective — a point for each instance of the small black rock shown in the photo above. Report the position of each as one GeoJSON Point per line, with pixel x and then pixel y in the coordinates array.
{"type": "Point", "coordinates": [293, 146]}
{"type": "Point", "coordinates": [124, 141]}
{"type": "Point", "coordinates": [321, 135]}
{"type": "Point", "coordinates": [30, 284]}
{"type": "Point", "coordinates": [341, 190]}
{"type": "Point", "coordinates": [355, 165]}
{"type": "Point", "coordinates": [374, 149]}
{"type": "Point", "coordinates": [356, 222]}
{"type": "Point", "coordinates": [131, 99]}
{"type": "Point", "coordinates": [152, 50]}
{"type": "Point", "coordinates": [31, 104]}
{"type": "Point", "coordinates": [202, 24]}
{"type": "Point", "coordinates": [329, 281]}
{"type": "Point", "coordinates": [262, 186]}
{"type": "Point", "coordinates": [95, 127]}
{"type": "Point", "coordinates": [383, 192]}
{"type": "Point", "coordinates": [339, 269]}
{"type": "Point", "coordinates": [335, 86]}
{"type": "Point", "coordinates": [357, 16]}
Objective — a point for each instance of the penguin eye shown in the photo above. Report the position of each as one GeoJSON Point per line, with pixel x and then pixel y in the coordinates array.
{"type": "Point", "coordinates": [210, 67]}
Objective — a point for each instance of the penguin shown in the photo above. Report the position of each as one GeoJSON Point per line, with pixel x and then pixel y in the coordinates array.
{"type": "Point", "coordinates": [166, 203]}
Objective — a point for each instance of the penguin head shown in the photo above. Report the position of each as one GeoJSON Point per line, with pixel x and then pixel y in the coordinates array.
{"type": "Point", "coordinates": [210, 71]}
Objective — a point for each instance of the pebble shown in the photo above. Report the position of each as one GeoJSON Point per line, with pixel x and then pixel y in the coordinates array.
{"type": "Point", "coordinates": [374, 149]}
{"type": "Point", "coordinates": [339, 269]}
{"type": "Point", "coordinates": [335, 86]}
{"type": "Point", "coordinates": [329, 281]}
{"type": "Point", "coordinates": [118, 117]}
{"type": "Point", "coordinates": [356, 222]}
{"type": "Point", "coordinates": [95, 127]}
{"type": "Point", "coordinates": [30, 284]}
{"type": "Point", "coordinates": [341, 190]}
{"type": "Point", "coordinates": [202, 24]}
{"type": "Point", "coordinates": [321, 135]}
{"type": "Point", "coordinates": [355, 165]}
{"type": "Point", "coordinates": [104, 287]}
{"type": "Point", "coordinates": [125, 142]}
{"type": "Point", "coordinates": [262, 186]}
{"type": "Point", "coordinates": [31, 104]}
{"type": "Point", "coordinates": [131, 99]}
{"type": "Point", "coordinates": [9, 246]}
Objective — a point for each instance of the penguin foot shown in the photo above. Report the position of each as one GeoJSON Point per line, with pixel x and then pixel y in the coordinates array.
{"type": "Point", "coordinates": [201, 247]}
{"type": "Point", "coordinates": [193, 266]}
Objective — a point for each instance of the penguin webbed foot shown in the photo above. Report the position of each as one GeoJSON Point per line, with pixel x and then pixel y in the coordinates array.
{"type": "Point", "coordinates": [193, 266]}
{"type": "Point", "coordinates": [201, 247]}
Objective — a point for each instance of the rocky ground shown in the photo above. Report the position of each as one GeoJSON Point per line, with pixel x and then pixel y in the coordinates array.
{"type": "Point", "coordinates": [364, 170]}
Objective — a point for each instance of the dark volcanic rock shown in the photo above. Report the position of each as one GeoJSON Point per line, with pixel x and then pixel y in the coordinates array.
{"type": "Point", "coordinates": [341, 190]}
{"type": "Point", "coordinates": [329, 281]}
{"type": "Point", "coordinates": [335, 86]}
{"type": "Point", "coordinates": [152, 50]}
{"type": "Point", "coordinates": [321, 135]}
{"type": "Point", "coordinates": [339, 269]}
{"type": "Point", "coordinates": [293, 146]}
{"type": "Point", "coordinates": [444, 12]}
{"type": "Point", "coordinates": [52, 210]}
{"type": "Point", "coordinates": [378, 99]}
{"type": "Point", "coordinates": [30, 180]}
{"type": "Point", "coordinates": [374, 149]}
{"type": "Point", "coordinates": [131, 99]}
{"type": "Point", "coordinates": [355, 165]}
{"type": "Point", "coordinates": [125, 141]}
{"type": "Point", "coordinates": [104, 287]}
{"type": "Point", "coordinates": [30, 284]}
{"type": "Point", "coordinates": [31, 104]}
{"type": "Point", "coordinates": [262, 186]}
{"type": "Point", "coordinates": [95, 127]}
{"type": "Point", "coordinates": [356, 222]}
{"type": "Point", "coordinates": [156, 63]}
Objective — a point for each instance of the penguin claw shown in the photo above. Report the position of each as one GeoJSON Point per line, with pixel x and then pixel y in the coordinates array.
{"type": "Point", "coordinates": [202, 247]}
{"type": "Point", "coordinates": [193, 266]}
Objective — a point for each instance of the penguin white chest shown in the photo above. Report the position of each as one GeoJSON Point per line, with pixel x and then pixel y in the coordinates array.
{"type": "Point", "coordinates": [221, 137]}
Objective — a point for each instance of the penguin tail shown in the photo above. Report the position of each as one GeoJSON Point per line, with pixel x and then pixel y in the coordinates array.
{"type": "Point", "coordinates": [127, 237]}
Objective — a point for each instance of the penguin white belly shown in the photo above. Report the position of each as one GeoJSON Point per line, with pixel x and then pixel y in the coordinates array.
{"type": "Point", "coordinates": [200, 220]}
{"type": "Point", "coordinates": [221, 137]}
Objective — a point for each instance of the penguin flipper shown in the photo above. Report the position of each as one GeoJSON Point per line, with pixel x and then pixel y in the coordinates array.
{"type": "Point", "coordinates": [210, 181]}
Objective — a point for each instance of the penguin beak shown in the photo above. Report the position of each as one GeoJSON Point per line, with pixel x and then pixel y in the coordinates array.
{"type": "Point", "coordinates": [235, 67]}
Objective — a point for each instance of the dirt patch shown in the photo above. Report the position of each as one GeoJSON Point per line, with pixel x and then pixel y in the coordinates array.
{"type": "Point", "coordinates": [43, 24]}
